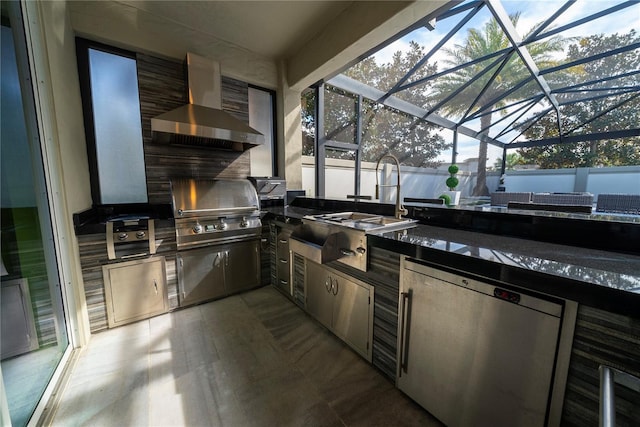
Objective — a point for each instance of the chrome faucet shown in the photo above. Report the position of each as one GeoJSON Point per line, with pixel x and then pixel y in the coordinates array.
{"type": "Point", "coordinates": [400, 210]}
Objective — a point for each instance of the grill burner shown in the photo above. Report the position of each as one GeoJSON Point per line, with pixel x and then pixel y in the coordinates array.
{"type": "Point", "coordinates": [130, 236]}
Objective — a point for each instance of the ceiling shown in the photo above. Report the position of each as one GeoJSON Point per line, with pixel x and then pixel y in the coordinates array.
{"type": "Point", "coordinates": [273, 29]}
{"type": "Point", "coordinates": [252, 40]}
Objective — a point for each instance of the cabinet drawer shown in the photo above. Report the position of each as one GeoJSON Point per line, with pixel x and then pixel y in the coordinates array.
{"type": "Point", "coordinates": [283, 270]}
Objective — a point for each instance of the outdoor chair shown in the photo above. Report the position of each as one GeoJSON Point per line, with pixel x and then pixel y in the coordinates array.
{"type": "Point", "coordinates": [502, 198]}
{"type": "Point", "coordinates": [570, 199]}
{"type": "Point", "coordinates": [619, 203]}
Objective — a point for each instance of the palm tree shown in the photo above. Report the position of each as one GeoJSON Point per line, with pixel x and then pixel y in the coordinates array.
{"type": "Point", "coordinates": [478, 44]}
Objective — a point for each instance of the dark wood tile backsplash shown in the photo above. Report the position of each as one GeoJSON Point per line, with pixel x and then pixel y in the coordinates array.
{"type": "Point", "coordinates": [162, 86]}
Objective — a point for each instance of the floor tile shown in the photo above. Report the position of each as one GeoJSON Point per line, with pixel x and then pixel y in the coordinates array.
{"type": "Point", "coordinates": [254, 359]}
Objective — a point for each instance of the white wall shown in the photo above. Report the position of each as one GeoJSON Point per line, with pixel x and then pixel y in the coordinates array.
{"type": "Point", "coordinates": [622, 179]}
{"type": "Point", "coordinates": [540, 181]}
{"type": "Point", "coordinates": [430, 183]}
{"type": "Point", "coordinates": [625, 179]}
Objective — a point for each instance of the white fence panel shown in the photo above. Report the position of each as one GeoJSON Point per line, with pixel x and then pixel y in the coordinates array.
{"type": "Point", "coordinates": [430, 183]}
{"type": "Point", "coordinates": [624, 180]}
{"type": "Point", "coordinates": [541, 181]}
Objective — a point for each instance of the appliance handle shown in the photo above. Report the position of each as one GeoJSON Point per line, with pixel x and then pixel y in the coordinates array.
{"type": "Point", "coordinates": [404, 298]}
{"type": "Point", "coordinates": [335, 288]}
{"type": "Point", "coordinates": [347, 252]}
{"type": "Point", "coordinates": [234, 210]}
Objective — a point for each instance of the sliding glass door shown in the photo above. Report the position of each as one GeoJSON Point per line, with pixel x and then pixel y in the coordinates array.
{"type": "Point", "coordinates": [34, 331]}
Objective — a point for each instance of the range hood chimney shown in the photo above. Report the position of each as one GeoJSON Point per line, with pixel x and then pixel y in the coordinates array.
{"type": "Point", "coordinates": [202, 122]}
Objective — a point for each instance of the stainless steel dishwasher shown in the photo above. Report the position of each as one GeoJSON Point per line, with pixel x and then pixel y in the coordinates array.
{"type": "Point", "coordinates": [477, 354]}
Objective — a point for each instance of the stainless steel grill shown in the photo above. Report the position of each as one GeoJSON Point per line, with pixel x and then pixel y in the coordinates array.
{"type": "Point", "coordinates": [210, 212]}
{"type": "Point", "coordinates": [218, 231]}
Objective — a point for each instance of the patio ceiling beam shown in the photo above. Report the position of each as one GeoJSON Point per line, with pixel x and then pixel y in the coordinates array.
{"type": "Point", "coordinates": [509, 128]}
{"type": "Point", "coordinates": [536, 97]}
{"type": "Point", "coordinates": [548, 22]}
{"type": "Point", "coordinates": [616, 134]}
{"type": "Point", "coordinates": [454, 69]}
{"type": "Point", "coordinates": [602, 113]}
{"type": "Point", "coordinates": [346, 83]}
{"type": "Point", "coordinates": [486, 87]}
{"type": "Point", "coordinates": [592, 98]}
{"type": "Point", "coordinates": [591, 58]}
{"type": "Point", "coordinates": [437, 47]}
{"type": "Point", "coordinates": [463, 87]}
{"type": "Point", "coordinates": [615, 90]}
{"type": "Point", "coordinates": [499, 98]}
{"type": "Point", "coordinates": [459, 9]}
{"type": "Point", "coordinates": [585, 20]}
{"type": "Point", "coordinates": [510, 31]}
{"type": "Point", "coordinates": [596, 81]}
{"type": "Point", "coordinates": [531, 121]}
{"type": "Point", "coordinates": [526, 107]}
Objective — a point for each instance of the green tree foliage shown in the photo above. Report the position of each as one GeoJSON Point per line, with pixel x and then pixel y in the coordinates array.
{"type": "Point", "coordinates": [479, 43]}
{"type": "Point", "coordinates": [618, 152]}
{"type": "Point", "coordinates": [513, 159]}
{"type": "Point", "coordinates": [384, 130]}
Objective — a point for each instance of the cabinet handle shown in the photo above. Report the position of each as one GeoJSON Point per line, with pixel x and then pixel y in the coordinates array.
{"type": "Point", "coordinates": [155, 285]}
{"type": "Point", "coordinates": [404, 335]}
{"type": "Point", "coordinates": [335, 288]}
{"type": "Point", "coordinates": [283, 260]}
{"type": "Point", "coordinates": [347, 252]}
{"type": "Point", "coordinates": [328, 284]}
{"type": "Point", "coordinates": [283, 241]}
{"type": "Point", "coordinates": [283, 282]}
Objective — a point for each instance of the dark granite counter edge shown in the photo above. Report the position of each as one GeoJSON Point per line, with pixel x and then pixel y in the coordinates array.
{"type": "Point", "coordinates": [591, 294]}
{"type": "Point", "coordinates": [609, 299]}
{"type": "Point", "coordinates": [92, 220]}
{"type": "Point", "coordinates": [552, 227]}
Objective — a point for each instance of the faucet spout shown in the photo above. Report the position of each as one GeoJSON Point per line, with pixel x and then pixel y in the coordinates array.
{"type": "Point", "coordinates": [400, 210]}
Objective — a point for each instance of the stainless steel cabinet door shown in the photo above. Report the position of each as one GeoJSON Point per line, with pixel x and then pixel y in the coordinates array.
{"type": "Point", "coordinates": [352, 314]}
{"type": "Point", "coordinates": [200, 275]}
{"type": "Point", "coordinates": [319, 297]}
{"type": "Point", "coordinates": [472, 359]}
{"type": "Point", "coordinates": [242, 266]}
{"type": "Point", "coordinates": [135, 290]}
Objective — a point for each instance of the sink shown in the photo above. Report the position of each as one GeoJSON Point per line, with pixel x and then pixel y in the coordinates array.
{"type": "Point", "coordinates": [367, 222]}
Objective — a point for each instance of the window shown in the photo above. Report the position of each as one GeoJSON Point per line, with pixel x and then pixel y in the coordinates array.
{"type": "Point", "coordinates": [113, 124]}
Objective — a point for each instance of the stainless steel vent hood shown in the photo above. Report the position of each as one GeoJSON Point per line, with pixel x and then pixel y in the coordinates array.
{"type": "Point", "coordinates": [202, 122]}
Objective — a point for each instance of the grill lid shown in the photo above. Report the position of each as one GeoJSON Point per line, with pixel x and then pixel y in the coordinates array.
{"type": "Point", "coordinates": [219, 197]}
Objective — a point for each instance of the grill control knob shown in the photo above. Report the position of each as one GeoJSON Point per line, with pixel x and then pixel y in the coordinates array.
{"type": "Point", "coordinates": [244, 222]}
{"type": "Point", "coordinates": [141, 234]}
{"type": "Point", "coordinates": [222, 225]}
{"type": "Point", "coordinates": [197, 229]}
{"type": "Point", "coordinates": [123, 236]}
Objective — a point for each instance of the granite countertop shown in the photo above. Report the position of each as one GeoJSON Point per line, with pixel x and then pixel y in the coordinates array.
{"type": "Point", "coordinates": [610, 269]}
{"type": "Point", "coordinates": [600, 278]}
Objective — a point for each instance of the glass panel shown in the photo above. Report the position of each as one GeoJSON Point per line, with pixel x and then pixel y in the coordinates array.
{"type": "Point", "coordinates": [118, 128]}
{"type": "Point", "coordinates": [33, 337]}
{"type": "Point", "coordinates": [340, 115]}
{"type": "Point", "coordinates": [339, 173]}
{"type": "Point", "coordinates": [261, 119]}
{"type": "Point", "coordinates": [308, 114]}
{"type": "Point", "coordinates": [413, 141]}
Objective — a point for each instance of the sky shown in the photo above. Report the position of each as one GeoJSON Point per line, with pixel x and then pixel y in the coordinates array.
{"type": "Point", "coordinates": [532, 12]}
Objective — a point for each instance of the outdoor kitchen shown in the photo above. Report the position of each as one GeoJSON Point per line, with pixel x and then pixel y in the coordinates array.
{"type": "Point", "coordinates": [261, 239]}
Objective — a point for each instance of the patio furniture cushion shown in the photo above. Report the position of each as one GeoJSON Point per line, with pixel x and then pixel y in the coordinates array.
{"type": "Point", "coordinates": [502, 198]}
{"type": "Point", "coordinates": [575, 199]}
{"type": "Point", "coordinates": [619, 203]}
